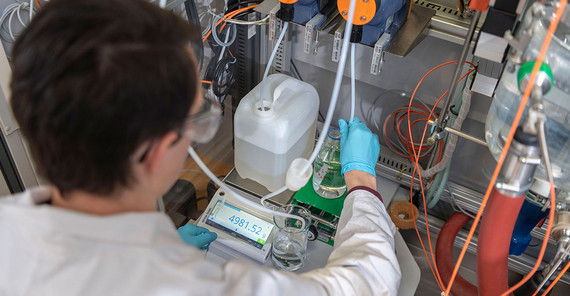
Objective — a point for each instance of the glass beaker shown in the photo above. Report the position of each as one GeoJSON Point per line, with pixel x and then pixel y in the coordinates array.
{"type": "Point", "coordinates": [289, 250]}
{"type": "Point", "coordinates": [327, 177]}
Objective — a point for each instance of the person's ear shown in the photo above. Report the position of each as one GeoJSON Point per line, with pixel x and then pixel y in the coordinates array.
{"type": "Point", "coordinates": [157, 152]}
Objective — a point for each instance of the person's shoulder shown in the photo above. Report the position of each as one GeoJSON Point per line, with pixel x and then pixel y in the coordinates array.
{"type": "Point", "coordinates": [32, 196]}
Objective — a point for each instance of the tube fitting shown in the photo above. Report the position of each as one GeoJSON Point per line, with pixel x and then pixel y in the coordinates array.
{"type": "Point", "coordinates": [517, 171]}
{"type": "Point", "coordinates": [561, 226]}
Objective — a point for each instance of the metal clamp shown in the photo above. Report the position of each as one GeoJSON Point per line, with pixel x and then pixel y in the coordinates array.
{"type": "Point", "coordinates": [310, 28]}
{"type": "Point", "coordinates": [530, 160]}
{"type": "Point", "coordinates": [273, 22]}
{"type": "Point", "coordinates": [518, 45]}
{"type": "Point", "coordinates": [337, 43]}
{"type": "Point", "coordinates": [378, 56]}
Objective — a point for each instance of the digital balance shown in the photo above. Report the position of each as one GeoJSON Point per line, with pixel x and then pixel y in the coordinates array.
{"type": "Point", "coordinates": [249, 232]}
{"type": "Point", "coordinates": [239, 228]}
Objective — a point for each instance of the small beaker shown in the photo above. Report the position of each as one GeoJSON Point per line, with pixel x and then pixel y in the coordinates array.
{"type": "Point", "coordinates": [289, 250]}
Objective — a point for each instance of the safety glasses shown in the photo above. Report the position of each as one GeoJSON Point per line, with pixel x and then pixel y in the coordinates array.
{"type": "Point", "coordinates": [202, 126]}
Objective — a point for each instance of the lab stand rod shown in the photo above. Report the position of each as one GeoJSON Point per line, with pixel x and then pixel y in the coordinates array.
{"type": "Point", "coordinates": [465, 136]}
{"type": "Point", "coordinates": [323, 221]}
{"type": "Point", "coordinates": [561, 258]}
{"type": "Point", "coordinates": [460, 134]}
{"type": "Point", "coordinates": [462, 57]}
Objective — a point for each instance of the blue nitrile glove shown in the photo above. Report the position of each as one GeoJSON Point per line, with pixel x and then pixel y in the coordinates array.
{"type": "Point", "coordinates": [359, 147]}
{"type": "Point", "coordinates": [197, 236]}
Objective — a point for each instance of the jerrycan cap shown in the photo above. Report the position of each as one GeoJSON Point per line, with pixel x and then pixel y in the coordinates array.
{"type": "Point", "coordinates": [268, 109]}
{"type": "Point", "coordinates": [295, 178]}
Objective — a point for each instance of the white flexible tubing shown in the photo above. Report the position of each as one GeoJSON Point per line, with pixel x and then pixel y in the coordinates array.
{"type": "Point", "coordinates": [352, 83]}
{"type": "Point", "coordinates": [285, 26]}
{"type": "Point", "coordinates": [336, 88]}
{"type": "Point", "coordinates": [31, 9]}
{"type": "Point", "coordinates": [272, 194]}
{"type": "Point", "coordinates": [224, 47]}
{"type": "Point", "coordinates": [235, 194]}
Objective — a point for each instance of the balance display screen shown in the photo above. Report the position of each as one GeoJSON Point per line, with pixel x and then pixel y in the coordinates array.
{"type": "Point", "coordinates": [241, 224]}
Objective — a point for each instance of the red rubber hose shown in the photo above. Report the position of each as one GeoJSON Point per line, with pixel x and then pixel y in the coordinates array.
{"type": "Point", "coordinates": [494, 240]}
{"type": "Point", "coordinates": [444, 255]}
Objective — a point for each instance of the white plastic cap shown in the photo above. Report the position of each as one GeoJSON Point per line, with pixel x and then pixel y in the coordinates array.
{"type": "Point", "coordinates": [296, 179]}
{"type": "Point", "coordinates": [541, 187]}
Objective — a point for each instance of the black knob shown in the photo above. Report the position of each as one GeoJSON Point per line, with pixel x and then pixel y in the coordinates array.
{"type": "Point", "coordinates": [313, 233]}
{"type": "Point", "coordinates": [356, 34]}
{"type": "Point", "coordinates": [286, 13]}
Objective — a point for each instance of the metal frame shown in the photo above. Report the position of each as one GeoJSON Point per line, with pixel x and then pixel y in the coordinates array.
{"type": "Point", "coordinates": [17, 164]}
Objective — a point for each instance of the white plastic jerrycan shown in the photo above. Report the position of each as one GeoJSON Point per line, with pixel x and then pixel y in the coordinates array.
{"type": "Point", "coordinates": [266, 142]}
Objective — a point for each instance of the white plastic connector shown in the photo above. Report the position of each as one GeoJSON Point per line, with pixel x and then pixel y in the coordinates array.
{"type": "Point", "coordinates": [541, 187]}
{"type": "Point", "coordinates": [297, 178]}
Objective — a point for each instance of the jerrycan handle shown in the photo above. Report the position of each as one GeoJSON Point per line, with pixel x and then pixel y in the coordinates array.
{"type": "Point", "coordinates": [280, 90]}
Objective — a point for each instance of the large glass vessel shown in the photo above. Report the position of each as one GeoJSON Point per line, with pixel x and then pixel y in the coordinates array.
{"type": "Point", "coordinates": [556, 101]}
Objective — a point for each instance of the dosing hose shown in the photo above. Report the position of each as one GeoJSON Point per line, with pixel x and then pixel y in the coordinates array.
{"type": "Point", "coordinates": [270, 62]}
{"type": "Point", "coordinates": [336, 88]}
{"type": "Point", "coordinates": [352, 83]}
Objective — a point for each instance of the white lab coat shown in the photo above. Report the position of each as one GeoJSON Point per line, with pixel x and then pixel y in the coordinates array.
{"type": "Point", "coordinates": [45, 250]}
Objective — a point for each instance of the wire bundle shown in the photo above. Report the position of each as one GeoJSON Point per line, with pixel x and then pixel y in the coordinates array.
{"type": "Point", "coordinates": [403, 145]}
{"type": "Point", "coordinates": [12, 13]}
{"type": "Point", "coordinates": [221, 70]}
{"type": "Point", "coordinates": [415, 157]}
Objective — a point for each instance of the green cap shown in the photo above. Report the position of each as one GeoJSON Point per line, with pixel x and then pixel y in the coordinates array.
{"type": "Point", "coordinates": [525, 70]}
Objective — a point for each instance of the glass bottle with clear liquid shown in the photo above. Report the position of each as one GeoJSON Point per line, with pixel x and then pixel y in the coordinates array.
{"type": "Point", "coordinates": [327, 177]}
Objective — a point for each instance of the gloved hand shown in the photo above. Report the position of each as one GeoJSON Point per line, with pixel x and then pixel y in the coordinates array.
{"type": "Point", "coordinates": [197, 236]}
{"type": "Point", "coordinates": [359, 147]}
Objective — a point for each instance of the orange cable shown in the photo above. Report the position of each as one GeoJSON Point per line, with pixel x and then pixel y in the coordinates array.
{"type": "Point", "coordinates": [417, 168]}
{"type": "Point", "coordinates": [562, 272]}
{"type": "Point", "coordinates": [227, 17]}
{"type": "Point", "coordinates": [524, 100]}
{"type": "Point", "coordinates": [38, 4]}
{"type": "Point", "coordinates": [205, 81]}
{"type": "Point", "coordinates": [410, 9]}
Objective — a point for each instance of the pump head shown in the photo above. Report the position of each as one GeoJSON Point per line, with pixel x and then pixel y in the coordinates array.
{"type": "Point", "coordinates": [364, 10]}
{"type": "Point", "coordinates": [287, 11]}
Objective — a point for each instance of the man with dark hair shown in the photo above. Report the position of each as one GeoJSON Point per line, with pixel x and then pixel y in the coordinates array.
{"type": "Point", "coordinates": [108, 96]}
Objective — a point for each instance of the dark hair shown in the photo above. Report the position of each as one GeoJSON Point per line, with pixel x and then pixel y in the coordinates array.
{"type": "Point", "coordinates": [94, 79]}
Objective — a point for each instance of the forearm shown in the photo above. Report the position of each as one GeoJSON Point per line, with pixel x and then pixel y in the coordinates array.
{"type": "Point", "coordinates": [364, 257]}
{"type": "Point", "coordinates": [356, 178]}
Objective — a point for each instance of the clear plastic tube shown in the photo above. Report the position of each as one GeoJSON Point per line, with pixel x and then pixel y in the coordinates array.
{"type": "Point", "coordinates": [283, 31]}
{"type": "Point", "coordinates": [336, 88]}
{"type": "Point", "coordinates": [272, 194]}
{"type": "Point", "coordinates": [232, 28]}
{"type": "Point", "coordinates": [352, 83]}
